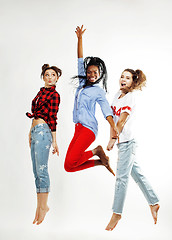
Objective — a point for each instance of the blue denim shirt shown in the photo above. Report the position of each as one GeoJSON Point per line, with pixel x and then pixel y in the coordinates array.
{"type": "Point", "coordinates": [85, 102]}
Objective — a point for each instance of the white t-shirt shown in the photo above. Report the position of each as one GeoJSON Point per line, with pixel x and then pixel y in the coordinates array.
{"type": "Point", "coordinates": [120, 105]}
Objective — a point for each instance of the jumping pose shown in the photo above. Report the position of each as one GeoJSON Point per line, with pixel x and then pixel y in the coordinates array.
{"type": "Point", "coordinates": [91, 71]}
{"type": "Point", "coordinates": [42, 134]}
{"type": "Point", "coordinates": [123, 110]}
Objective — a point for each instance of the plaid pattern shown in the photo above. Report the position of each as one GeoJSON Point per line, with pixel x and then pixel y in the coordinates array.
{"type": "Point", "coordinates": [45, 105]}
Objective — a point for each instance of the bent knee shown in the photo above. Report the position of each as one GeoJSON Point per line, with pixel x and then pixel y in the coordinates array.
{"type": "Point", "coordinates": [41, 172]}
{"type": "Point", "coordinates": [69, 166]}
{"type": "Point", "coordinates": [70, 163]}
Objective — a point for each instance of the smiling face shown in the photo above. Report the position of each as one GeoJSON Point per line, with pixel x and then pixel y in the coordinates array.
{"type": "Point", "coordinates": [50, 78]}
{"type": "Point", "coordinates": [92, 73]}
{"type": "Point", "coordinates": [125, 81]}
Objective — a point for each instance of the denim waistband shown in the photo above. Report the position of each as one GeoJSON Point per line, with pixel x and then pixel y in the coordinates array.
{"type": "Point", "coordinates": [39, 126]}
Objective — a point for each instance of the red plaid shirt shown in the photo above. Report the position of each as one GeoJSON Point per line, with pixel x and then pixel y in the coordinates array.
{"type": "Point", "coordinates": [45, 105]}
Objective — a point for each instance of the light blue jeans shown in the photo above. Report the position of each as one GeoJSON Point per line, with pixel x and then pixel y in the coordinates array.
{"type": "Point", "coordinates": [127, 165]}
{"type": "Point", "coordinates": [41, 139]}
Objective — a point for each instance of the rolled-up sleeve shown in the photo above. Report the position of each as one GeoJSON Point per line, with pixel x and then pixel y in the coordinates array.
{"type": "Point", "coordinates": [104, 104]}
{"type": "Point", "coordinates": [54, 107]}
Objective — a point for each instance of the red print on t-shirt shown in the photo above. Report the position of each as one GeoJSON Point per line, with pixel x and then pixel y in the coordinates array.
{"type": "Point", "coordinates": [117, 113]}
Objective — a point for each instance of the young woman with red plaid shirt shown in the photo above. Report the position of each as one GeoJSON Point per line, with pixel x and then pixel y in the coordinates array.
{"type": "Point", "coordinates": [42, 134]}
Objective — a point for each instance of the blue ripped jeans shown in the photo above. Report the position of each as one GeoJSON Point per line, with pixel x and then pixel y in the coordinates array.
{"type": "Point", "coordinates": [41, 139]}
{"type": "Point", "coordinates": [127, 166]}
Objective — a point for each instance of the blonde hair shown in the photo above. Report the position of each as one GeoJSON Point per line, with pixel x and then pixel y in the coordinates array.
{"type": "Point", "coordinates": [139, 79]}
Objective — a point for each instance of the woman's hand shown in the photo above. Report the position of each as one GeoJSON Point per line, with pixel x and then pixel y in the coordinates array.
{"type": "Point", "coordinates": [114, 133]}
{"type": "Point", "coordinates": [54, 144]}
{"type": "Point", "coordinates": [79, 31]}
{"type": "Point", "coordinates": [55, 148]}
{"type": "Point", "coordinates": [111, 144]}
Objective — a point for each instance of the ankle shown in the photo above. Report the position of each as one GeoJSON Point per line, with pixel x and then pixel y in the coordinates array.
{"type": "Point", "coordinates": [96, 150]}
{"type": "Point", "coordinates": [154, 206]}
{"type": "Point", "coordinates": [117, 216]}
{"type": "Point", "coordinates": [44, 207]}
{"type": "Point", "coordinates": [97, 163]}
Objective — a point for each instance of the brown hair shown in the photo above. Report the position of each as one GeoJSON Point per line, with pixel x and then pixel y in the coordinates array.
{"type": "Point", "coordinates": [47, 66]}
{"type": "Point", "coordinates": [139, 79]}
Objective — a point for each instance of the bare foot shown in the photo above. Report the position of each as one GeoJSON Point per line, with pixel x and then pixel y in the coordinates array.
{"type": "Point", "coordinates": [98, 151]}
{"type": "Point", "coordinates": [113, 222]}
{"type": "Point", "coordinates": [36, 216]}
{"type": "Point", "coordinates": [98, 163]}
{"type": "Point", "coordinates": [40, 215]}
{"type": "Point", "coordinates": [154, 211]}
{"type": "Point", "coordinates": [109, 168]}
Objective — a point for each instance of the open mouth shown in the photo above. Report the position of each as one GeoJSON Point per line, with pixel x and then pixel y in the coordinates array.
{"type": "Point", "coordinates": [123, 84]}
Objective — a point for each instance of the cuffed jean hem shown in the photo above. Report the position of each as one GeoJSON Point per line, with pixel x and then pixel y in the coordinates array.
{"type": "Point", "coordinates": [153, 204]}
{"type": "Point", "coordinates": [116, 212]}
{"type": "Point", "coordinates": [43, 190]}
{"type": "Point", "coordinates": [127, 166]}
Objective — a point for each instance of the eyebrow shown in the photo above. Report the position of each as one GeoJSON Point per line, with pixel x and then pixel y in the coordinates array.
{"type": "Point", "coordinates": [50, 72]}
{"type": "Point", "coordinates": [96, 70]}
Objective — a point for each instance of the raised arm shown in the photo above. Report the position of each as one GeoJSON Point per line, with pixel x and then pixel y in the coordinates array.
{"type": "Point", "coordinates": [79, 32]}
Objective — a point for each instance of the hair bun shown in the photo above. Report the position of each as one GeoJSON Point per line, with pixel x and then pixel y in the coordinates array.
{"type": "Point", "coordinates": [45, 66]}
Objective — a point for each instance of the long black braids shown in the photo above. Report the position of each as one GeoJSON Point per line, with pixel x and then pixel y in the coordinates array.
{"type": "Point", "coordinates": [95, 61]}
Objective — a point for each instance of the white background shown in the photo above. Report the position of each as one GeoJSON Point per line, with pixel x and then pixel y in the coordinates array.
{"type": "Point", "coordinates": [125, 33]}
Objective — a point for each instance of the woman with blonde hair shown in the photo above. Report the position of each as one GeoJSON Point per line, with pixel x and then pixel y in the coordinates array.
{"type": "Point", "coordinates": [123, 107]}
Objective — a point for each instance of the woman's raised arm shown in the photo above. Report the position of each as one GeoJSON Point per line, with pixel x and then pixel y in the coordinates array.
{"type": "Point", "coordinates": [79, 32]}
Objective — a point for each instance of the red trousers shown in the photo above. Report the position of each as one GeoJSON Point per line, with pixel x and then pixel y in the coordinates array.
{"type": "Point", "coordinates": [77, 158]}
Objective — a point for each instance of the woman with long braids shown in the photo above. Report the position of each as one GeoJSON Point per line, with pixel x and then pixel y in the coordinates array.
{"type": "Point", "coordinates": [42, 134]}
{"type": "Point", "coordinates": [91, 71]}
{"type": "Point", "coordinates": [124, 110]}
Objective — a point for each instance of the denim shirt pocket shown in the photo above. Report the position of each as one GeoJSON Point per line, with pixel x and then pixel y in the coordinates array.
{"type": "Point", "coordinates": [86, 94]}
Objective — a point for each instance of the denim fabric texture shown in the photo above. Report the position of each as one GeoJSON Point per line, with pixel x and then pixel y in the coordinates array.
{"type": "Point", "coordinates": [41, 139]}
{"type": "Point", "coordinates": [127, 166]}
